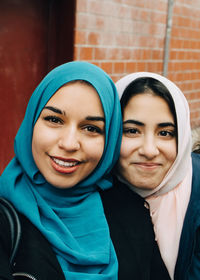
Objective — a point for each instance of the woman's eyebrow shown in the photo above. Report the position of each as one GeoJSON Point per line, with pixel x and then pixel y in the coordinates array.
{"type": "Point", "coordinates": [133, 122]}
{"type": "Point", "coordinates": [89, 118]}
{"type": "Point", "coordinates": [54, 109]}
{"type": "Point", "coordinates": [165, 124]}
{"type": "Point", "coordinates": [95, 118]}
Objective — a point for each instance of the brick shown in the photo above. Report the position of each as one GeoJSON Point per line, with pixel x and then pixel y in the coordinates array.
{"type": "Point", "coordinates": [113, 54]}
{"type": "Point", "coordinates": [107, 67]}
{"type": "Point", "coordinates": [100, 53]}
{"type": "Point", "coordinates": [146, 54]}
{"type": "Point", "coordinates": [95, 7]}
{"type": "Point", "coordinates": [125, 54]}
{"type": "Point", "coordinates": [138, 14]}
{"type": "Point", "coordinates": [119, 67]}
{"type": "Point", "coordinates": [93, 38]}
{"type": "Point", "coordinates": [86, 53]}
{"type": "Point", "coordinates": [82, 21]}
{"type": "Point", "coordinates": [123, 40]}
{"type": "Point", "coordinates": [81, 5]}
{"type": "Point", "coordinates": [80, 37]}
{"type": "Point", "coordinates": [151, 67]}
{"type": "Point", "coordinates": [141, 66]}
{"type": "Point", "coordinates": [130, 67]}
{"type": "Point", "coordinates": [76, 53]}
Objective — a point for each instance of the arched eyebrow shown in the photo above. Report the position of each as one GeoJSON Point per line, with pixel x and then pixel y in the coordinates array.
{"type": "Point", "coordinates": [89, 118]}
{"type": "Point", "coordinates": [54, 109]}
{"type": "Point", "coordinates": [164, 124]}
{"type": "Point", "coordinates": [133, 122]}
{"type": "Point", "coordinates": [95, 118]}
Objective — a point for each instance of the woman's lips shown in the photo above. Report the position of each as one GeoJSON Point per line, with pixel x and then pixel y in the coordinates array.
{"type": "Point", "coordinates": [64, 165]}
{"type": "Point", "coordinates": [147, 166]}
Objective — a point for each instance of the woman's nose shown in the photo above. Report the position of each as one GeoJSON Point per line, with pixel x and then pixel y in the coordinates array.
{"type": "Point", "coordinates": [149, 147]}
{"type": "Point", "coordinates": [69, 140]}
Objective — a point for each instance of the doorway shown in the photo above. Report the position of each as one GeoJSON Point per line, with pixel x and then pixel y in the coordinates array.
{"type": "Point", "coordinates": [35, 36]}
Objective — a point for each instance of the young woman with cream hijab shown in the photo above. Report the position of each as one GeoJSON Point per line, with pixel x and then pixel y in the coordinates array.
{"type": "Point", "coordinates": [156, 163]}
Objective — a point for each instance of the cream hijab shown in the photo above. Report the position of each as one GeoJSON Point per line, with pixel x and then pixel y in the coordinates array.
{"type": "Point", "coordinates": [169, 200]}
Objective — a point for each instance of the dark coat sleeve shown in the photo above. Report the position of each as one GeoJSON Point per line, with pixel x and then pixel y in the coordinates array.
{"type": "Point", "coordinates": [188, 261]}
{"type": "Point", "coordinates": [35, 255]}
{"type": "Point", "coordinates": [194, 271]}
{"type": "Point", "coordinates": [5, 241]}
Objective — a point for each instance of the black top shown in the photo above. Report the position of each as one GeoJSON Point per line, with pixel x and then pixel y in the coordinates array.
{"type": "Point", "coordinates": [35, 258]}
{"type": "Point", "coordinates": [132, 234]}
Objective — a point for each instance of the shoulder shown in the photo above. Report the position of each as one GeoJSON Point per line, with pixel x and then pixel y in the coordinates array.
{"type": "Point", "coordinates": [4, 232]}
{"type": "Point", "coordinates": [120, 194]}
{"type": "Point", "coordinates": [190, 232]}
{"type": "Point", "coordinates": [35, 255]}
{"type": "Point", "coordinates": [195, 160]}
{"type": "Point", "coordinates": [195, 172]}
{"type": "Point", "coordinates": [122, 205]}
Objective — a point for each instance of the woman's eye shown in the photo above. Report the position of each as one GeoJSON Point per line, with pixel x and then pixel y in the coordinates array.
{"type": "Point", "coordinates": [93, 129]}
{"type": "Point", "coordinates": [166, 133]}
{"type": "Point", "coordinates": [130, 131]}
{"type": "Point", "coordinates": [53, 119]}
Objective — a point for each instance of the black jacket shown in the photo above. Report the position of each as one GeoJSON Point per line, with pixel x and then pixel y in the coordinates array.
{"type": "Point", "coordinates": [35, 258]}
{"type": "Point", "coordinates": [188, 261]}
{"type": "Point", "coordinates": [132, 234]}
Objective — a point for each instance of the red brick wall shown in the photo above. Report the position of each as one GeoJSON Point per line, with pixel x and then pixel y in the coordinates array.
{"type": "Point", "coordinates": [184, 65]}
{"type": "Point", "coordinates": [124, 36]}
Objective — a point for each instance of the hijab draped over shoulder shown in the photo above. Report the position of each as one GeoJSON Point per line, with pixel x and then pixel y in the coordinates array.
{"type": "Point", "coordinates": [71, 219]}
{"type": "Point", "coordinates": [169, 200]}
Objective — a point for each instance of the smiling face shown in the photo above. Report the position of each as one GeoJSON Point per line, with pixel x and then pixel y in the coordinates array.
{"type": "Point", "coordinates": [149, 141]}
{"type": "Point", "coordinates": [68, 137]}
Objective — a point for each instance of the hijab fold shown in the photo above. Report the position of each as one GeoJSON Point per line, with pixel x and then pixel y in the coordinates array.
{"type": "Point", "coordinates": [71, 219]}
{"type": "Point", "coordinates": [169, 200]}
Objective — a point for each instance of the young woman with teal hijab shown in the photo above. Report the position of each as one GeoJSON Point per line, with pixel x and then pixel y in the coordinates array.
{"type": "Point", "coordinates": [71, 219]}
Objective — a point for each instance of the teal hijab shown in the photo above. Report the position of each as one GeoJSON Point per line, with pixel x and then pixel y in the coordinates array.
{"type": "Point", "coordinates": [72, 219]}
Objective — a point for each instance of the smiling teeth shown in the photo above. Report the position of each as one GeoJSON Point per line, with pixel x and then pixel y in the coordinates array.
{"type": "Point", "coordinates": [64, 163]}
